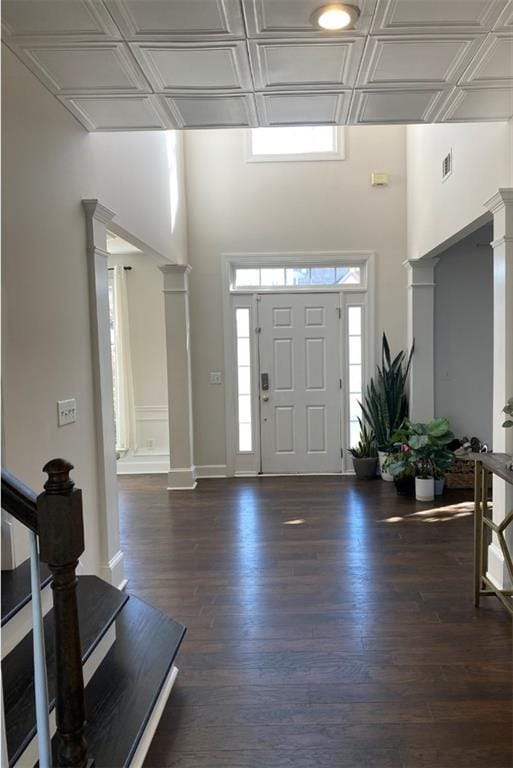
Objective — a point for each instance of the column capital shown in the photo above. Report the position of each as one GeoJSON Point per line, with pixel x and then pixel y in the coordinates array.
{"type": "Point", "coordinates": [502, 198]}
{"type": "Point", "coordinates": [421, 272]}
{"type": "Point", "coordinates": [176, 277]}
{"type": "Point", "coordinates": [95, 210]}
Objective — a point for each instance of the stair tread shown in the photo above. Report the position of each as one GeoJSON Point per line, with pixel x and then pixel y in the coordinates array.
{"type": "Point", "coordinates": [122, 693]}
{"type": "Point", "coordinates": [98, 605]}
{"type": "Point", "coordinates": [16, 591]}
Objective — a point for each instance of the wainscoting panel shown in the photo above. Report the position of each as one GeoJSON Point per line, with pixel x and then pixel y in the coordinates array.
{"type": "Point", "coordinates": [151, 453]}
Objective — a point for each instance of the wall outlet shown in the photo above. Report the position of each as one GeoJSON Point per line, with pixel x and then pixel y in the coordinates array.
{"type": "Point", "coordinates": [150, 443]}
{"type": "Point", "coordinates": [66, 411]}
{"type": "Point", "coordinates": [215, 377]}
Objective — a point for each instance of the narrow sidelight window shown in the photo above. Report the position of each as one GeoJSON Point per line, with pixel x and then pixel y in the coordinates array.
{"type": "Point", "coordinates": [242, 326]}
{"type": "Point", "coordinates": [354, 339]}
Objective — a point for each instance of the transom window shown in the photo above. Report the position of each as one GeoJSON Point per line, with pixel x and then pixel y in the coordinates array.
{"type": "Point", "coordinates": [289, 277]}
{"type": "Point", "coordinates": [316, 142]}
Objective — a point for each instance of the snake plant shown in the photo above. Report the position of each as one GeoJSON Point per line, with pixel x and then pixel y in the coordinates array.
{"type": "Point", "coordinates": [385, 403]}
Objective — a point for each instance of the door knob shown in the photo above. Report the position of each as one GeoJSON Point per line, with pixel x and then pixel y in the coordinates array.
{"type": "Point", "coordinates": [265, 398]}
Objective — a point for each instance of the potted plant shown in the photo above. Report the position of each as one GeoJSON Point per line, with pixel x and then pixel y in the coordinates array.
{"type": "Point", "coordinates": [365, 456]}
{"type": "Point", "coordinates": [429, 444]}
{"type": "Point", "coordinates": [443, 459]}
{"type": "Point", "coordinates": [401, 465]}
{"type": "Point", "coordinates": [385, 403]}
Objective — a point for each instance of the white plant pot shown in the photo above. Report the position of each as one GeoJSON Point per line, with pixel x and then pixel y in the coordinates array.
{"type": "Point", "coordinates": [383, 455]}
{"type": "Point", "coordinates": [424, 488]}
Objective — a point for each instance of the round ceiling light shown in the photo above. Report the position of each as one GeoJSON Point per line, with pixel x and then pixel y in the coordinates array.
{"type": "Point", "coordinates": [335, 16]}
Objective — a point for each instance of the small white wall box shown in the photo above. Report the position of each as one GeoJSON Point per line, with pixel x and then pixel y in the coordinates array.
{"type": "Point", "coordinates": [380, 179]}
{"type": "Point", "coordinates": [66, 411]}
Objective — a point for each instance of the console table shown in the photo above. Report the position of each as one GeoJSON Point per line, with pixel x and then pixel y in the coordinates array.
{"type": "Point", "coordinates": [490, 464]}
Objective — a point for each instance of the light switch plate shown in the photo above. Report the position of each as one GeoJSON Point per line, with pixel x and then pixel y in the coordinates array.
{"type": "Point", "coordinates": [215, 377]}
{"type": "Point", "coordinates": [66, 411]}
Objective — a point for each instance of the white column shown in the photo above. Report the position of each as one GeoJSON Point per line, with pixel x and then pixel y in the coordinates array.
{"type": "Point", "coordinates": [182, 472]}
{"type": "Point", "coordinates": [110, 565]}
{"type": "Point", "coordinates": [421, 329]}
{"type": "Point", "coordinates": [501, 206]}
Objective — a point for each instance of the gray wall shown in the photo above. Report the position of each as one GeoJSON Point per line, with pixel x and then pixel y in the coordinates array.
{"type": "Point", "coordinates": [464, 336]}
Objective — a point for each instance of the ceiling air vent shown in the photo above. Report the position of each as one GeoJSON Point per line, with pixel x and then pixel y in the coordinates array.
{"type": "Point", "coordinates": [447, 166]}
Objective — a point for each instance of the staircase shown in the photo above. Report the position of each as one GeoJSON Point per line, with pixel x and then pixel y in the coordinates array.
{"type": "Point", "coordinates": [120, 670]}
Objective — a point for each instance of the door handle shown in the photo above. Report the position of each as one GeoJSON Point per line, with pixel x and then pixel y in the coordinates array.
{"type": "Point", "coordinates": [265, 397]}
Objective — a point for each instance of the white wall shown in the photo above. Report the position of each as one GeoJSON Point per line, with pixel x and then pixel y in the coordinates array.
{"type": "Point", "coordinates": [482, 162]}
{"type": "Point", "coordinates": [237, 206]}
{"type": "Point", "coordinates": [49, 165]}
{"type": "Point", "coordinates": [464, 336]}
{"type": "Point", "coordinates": [149, 368]}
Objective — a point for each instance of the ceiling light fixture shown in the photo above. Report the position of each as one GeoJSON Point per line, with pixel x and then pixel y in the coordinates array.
{"type": "Point", "coordinates": [335, 16]}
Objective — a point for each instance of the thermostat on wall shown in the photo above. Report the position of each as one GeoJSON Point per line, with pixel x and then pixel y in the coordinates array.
{"type": "Point", "coordinates": [380, 179]}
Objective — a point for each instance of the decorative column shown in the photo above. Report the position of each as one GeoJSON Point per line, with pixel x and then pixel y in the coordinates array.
{"type": "Point", "coordinates": [501, 206]}
{"type": "Point", "coordinates": [182, 472]}
{"type": "Point", "coordinates": [108, 557]}
{"type": "Point", "coordinates": [421, 330]}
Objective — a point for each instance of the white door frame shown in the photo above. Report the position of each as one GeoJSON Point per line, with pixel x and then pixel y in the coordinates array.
{"type": "Point", "coordinates": [363, 294]}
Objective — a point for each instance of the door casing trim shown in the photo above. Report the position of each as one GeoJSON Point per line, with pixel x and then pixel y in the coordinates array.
{"type": "Point", "coordinates": [247, 297]}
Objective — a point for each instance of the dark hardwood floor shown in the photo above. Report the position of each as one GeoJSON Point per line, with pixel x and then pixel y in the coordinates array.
{"type": "Point", "coordinates": [330, 625]}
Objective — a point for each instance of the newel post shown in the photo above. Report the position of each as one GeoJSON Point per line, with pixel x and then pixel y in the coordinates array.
{"type": "Point", "coordinates": [61, 542]}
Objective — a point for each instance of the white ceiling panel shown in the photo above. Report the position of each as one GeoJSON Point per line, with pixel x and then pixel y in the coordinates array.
{"type": "Point", "coordinates": [397, 61]}
{"type": "Point", "coordinates": [436, 16]}
{"type": "Point", "coordinates": [212, 111]}
{"type": "Point", "coordinates": [227, 63]}
{"type": "Point", "coordinates": [118, 113]}
{"type": "Point", "coordinates": [493, 65]}
{"type": "Point", "coordinates": [276, 109]}
{"type": "Point", "coordinates": [305, 64]}
{"type": "Point", "coordinates": [84, 68]}
{"type": "Point", "coordinates": [291, 18]}
{"type": "Point", "coordinates": [53, 18]}
{"type": "Point", "coordinates": [505, 20]}
{"type": "Point", "coordinates": [178, 19]}
{"type": "Point", "coordinates": [406, 106]}
{"type": "Point", "coordinates": [476, 104]}
{"type": "Point", "coordinates": [174, 66]}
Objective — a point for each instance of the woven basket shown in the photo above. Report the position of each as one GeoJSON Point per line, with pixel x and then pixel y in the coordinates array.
{"type": "Point", "coordinates": [462, 475]}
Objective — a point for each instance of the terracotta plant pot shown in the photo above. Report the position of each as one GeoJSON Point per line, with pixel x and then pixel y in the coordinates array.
{"type": "Point", "coordinates": [424, 488]}
{"type": "Point", "coordinates": [365, 469]}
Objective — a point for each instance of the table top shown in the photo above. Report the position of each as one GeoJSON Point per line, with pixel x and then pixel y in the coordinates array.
{"type": "Point", "coordinates": [494, 462]}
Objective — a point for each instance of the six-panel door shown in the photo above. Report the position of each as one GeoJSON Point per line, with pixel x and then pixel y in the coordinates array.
{"type": "Point", "coordinates": [300, 412]}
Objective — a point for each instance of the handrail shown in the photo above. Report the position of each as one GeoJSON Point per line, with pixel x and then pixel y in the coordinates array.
{"type": "Point", "coordinates": [19, 501]}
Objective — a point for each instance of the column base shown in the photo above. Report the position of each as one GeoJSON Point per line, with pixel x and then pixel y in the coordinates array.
{"type": "Point", "coordinates": [497, 571]}
{"type": "Point", "coordinates": [181, 479]}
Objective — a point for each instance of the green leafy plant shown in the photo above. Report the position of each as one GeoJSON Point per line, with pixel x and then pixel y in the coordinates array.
{"type": "Point", "coordinates": [366, 448]}
{"type": "Point", "coordinates": [421, 449]}
{"type": "Point", "coordinates": [508, 410]}
{"type": "Point", "coordinates": [385, 403]}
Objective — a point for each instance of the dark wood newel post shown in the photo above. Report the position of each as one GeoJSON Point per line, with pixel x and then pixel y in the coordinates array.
{"type": "Point", "coordinates": [61, 542]}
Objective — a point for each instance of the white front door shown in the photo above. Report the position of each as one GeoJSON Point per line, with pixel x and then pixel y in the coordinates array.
{"type": "Point", "coordinates": [300, 397]}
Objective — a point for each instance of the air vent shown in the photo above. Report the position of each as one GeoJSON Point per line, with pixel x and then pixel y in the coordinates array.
{"type": "Point", "coordinates": [447, 166]}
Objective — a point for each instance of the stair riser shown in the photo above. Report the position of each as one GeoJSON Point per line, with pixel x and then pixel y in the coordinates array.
{"type": "Point", "coordinates": [30, 756]}
{"type": "Point", "coordinates": [20, 625]}
{"type": "Point", "coordinates": [149, 732]}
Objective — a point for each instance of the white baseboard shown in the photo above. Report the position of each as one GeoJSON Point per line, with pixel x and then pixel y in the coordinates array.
{"type": "Point", "coordinates": [151, 726]}
{"type": "Point", "coordinates": [114, 571]}
{"type": "Point", "coordinates": [144, 464]}
{"type": "Point", "coordinates": [246, 473]}
{"type": "Point", "coordinates": [21, 624]}
{"type": "Point", "coordinates": [181, 479]}
{"type": "Point", "coordinates": [211, 470]}
{"type": "Point", "coordinates": [30, 755]}
{"type": "Point", "coordinates": [497, 570]}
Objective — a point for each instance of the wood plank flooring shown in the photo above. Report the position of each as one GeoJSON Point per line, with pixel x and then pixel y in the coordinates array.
{"type": "Point", "coordinates": [330, 625]}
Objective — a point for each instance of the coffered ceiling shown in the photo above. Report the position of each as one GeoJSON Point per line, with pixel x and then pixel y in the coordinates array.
{"type": "Point", "coordinates": [159, 64]}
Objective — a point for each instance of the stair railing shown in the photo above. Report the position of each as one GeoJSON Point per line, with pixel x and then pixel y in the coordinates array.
{"type": "Point", "coordinates": [55, 519]}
